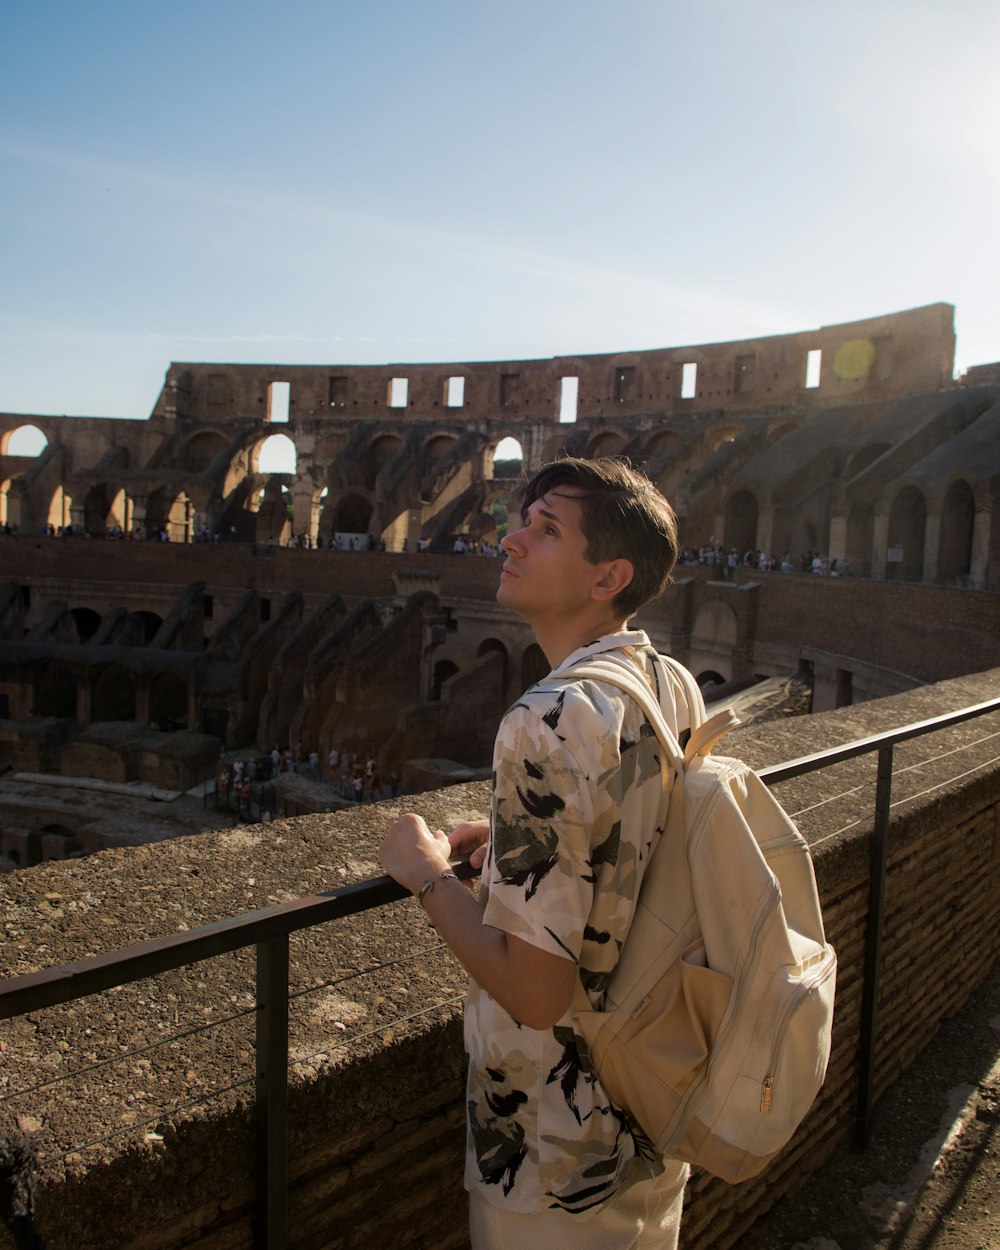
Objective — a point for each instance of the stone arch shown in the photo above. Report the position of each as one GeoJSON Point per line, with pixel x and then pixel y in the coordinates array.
{"type": "Point", "coordinates": [860, 531]}
{"type": "Point", "coordinates": [779, 431]}
{"type": "Point", "coordinates": [660, 443]}
{"type": "Point", "coordinates": [443, 669]}
{"type": "Point", "coordinates": [352, 514]}
{"type": "Point", "coordinates": [434, 448]}
{"type": "Point", "coordinates": [59, 841]}
{"type": "Point", "coordinates": [25, 440]}
{"type": "Point", "coordinates": [59, 514]}
{"type": "Point", "coordinates": [272, 503]}
{"type": "Point", "coordinates": [727, 432]}
{"type": "Point", "coordinates": [55, 691]}
{"type": "Point", "coordinates": [489, 646]}
{"type": "Point", "coordinates": [88, 622]}
{"type": "Point", "coordinates": [958, 516]}
{"type": "Point", "coordinates": [504, 468]}
{"type": "Point", "coordinates": [907, 530]}
{"type": "Point", "coordinates": [381, 451]}
{"type": "Point", "coordinates": [168, 702]}
{"type": "Point", "coordinates": [275, 454]}
{"type": "Point", "coordinates": [605, 443]}
{"type": "Point", "coordinates": [201, 450]}
{"type": "Point", "coordinates": [715, 622]}
{"type": "Point", "coordinates": [534, 665]}
{"type": "Point", "coordinates": [112, 695]}
{"type": "Point", "coordinates": [143, 626]}
{"type": "Point", "coordinates": [96, 510]}
{"type": "Point", "coordinates": [175, 515]}
{"type": "Point", "coordinates": [742, 515]}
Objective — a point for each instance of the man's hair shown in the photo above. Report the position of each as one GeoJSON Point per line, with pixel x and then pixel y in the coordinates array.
{"type": "Point", "coordinates": [624, 517]}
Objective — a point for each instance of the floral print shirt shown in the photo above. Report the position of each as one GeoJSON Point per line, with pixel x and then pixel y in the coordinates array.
{"type": "Point", "coordinates": [577, 807]}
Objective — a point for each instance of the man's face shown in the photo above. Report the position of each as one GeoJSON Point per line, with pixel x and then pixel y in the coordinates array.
{"type": "Point", "coordinates": [545, 573]}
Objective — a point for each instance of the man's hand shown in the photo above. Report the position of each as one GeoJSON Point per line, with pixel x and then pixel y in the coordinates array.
{"type": "Point", "coordinates": [411, 853]}
{"type": "Point", "coordinates": [469, 838]}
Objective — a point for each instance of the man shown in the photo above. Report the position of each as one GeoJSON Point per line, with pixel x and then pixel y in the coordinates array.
{"type": "Point", "coordinates": [576, 810]}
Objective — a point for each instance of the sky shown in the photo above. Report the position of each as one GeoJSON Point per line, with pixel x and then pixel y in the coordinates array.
{"type": "Point", "coordinates": [323, 182]}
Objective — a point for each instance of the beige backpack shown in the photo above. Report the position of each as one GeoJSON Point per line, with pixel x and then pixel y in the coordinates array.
{"type": "Point", "coordinates": [715, 1032]}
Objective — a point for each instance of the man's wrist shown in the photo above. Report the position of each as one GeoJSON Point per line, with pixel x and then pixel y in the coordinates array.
{"type": "Point", "coordinates": [428, 885]}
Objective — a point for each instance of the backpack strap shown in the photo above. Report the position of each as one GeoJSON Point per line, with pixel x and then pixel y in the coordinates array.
{"type": "Point", "coordinates": [631, 678]}
{"type": "Point", "coordinates": [627, 678]}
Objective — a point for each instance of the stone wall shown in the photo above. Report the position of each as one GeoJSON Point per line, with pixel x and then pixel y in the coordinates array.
{"type": "Point", "coordinates": [151, 1149]}
{"type": "Point", "coordinates": [896, 354]}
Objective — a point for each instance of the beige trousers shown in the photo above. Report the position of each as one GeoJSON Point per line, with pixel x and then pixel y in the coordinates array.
{"type": "Point", "coordinates": [645, 1216]}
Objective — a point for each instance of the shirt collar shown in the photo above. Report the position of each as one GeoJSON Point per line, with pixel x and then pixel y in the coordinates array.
{"type": "Point", "coordinates": [609, 642]}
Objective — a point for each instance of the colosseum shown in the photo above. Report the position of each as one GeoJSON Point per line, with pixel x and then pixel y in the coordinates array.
{"type": "Point", "coordinates": [166, 597]}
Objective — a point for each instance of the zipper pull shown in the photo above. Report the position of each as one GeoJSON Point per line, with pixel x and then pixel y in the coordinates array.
{"type": "Point", "coordinates": [765, 1095]}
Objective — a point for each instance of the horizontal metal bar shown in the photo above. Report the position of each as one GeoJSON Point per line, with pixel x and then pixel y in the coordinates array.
{"type": "Point", "coordinates": [772, 773]}
{"type": "Point", "coordinates": [34, 990]}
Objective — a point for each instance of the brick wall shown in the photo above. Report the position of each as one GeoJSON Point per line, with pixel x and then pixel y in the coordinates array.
{"type": "Point", "coordinates": [375, 1132]}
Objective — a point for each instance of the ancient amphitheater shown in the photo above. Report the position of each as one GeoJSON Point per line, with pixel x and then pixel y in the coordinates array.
{"type": "Point", "coordinates": [133, 661]}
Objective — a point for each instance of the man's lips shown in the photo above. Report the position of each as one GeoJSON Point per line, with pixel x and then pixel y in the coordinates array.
{"type": "Point", "coordinates": [507, 571]}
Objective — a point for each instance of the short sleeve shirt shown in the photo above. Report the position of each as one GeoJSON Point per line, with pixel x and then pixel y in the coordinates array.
{"type": "Point", "coordinates": [577, 807]}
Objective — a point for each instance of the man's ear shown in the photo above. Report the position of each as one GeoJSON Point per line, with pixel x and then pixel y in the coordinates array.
{"type": "Point", "coordinates": [617, 575]}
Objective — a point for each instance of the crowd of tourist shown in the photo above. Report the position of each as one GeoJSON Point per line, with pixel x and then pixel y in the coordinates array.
{"type": "Point", "coordinates": [246, 784]}
{"type": "Point", "coordinates": [712, 555]}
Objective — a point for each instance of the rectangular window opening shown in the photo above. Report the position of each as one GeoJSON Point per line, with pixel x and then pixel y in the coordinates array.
{"type": "Point", "coordinates": [624, 384]}
{"type": "Point", "coordinates": [265, 609]}
{"type": "Point", "coordinates": [814, 362]}
{"type": "Point", "coordinates": [454, 392]}
{"type": "Point", "coordinates": [509, 383]}
{"type": "Point", "coordinates": [218, 388]}
{"type": "Point", "coordinates": [569, 395]}
{"type": "Point", "coordinates": [398, 392]}
{"type": "Point", "coordinates": [278, 399]}
{"type": "Point", "coordinates": [338, 392]}
{"type": "Point", "coordinates": [743, 377]}
{"type": "Point", "coordinates": [689, 380]}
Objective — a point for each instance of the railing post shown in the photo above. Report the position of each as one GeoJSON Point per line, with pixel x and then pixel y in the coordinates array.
{"type": "Point", "coordinates": [271, 1213]}
{"type": "Point", "coordinates": [873, 943]}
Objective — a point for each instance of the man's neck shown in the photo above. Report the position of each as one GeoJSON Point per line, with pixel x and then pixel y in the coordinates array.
{"type": "Point", "coordinates": [558, 640]}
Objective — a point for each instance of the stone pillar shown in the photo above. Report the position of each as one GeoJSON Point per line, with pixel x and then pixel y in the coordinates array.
{"type": "Point", "coordinates": [303, 514]}
{"type": "Point", "coordinates": [765, 531]}
{"type": "Point", "coordinates": [932, 546]}
{"type": "Point", "coordinates": [838, 539]}
{"type": "Point", "coordinates": [880, 544]}
{"type": "Point", "coordinates": [142, 703]}
{"type": "Point", "coordinates": [979, 560]}
{"type": "Point", "coordinates": [138, 513]}
{"type": "Point", "coordinates": [83, 700]}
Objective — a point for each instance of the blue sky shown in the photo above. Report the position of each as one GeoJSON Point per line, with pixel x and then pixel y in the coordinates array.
{"type": "Point", "coordinates": [328, 182]}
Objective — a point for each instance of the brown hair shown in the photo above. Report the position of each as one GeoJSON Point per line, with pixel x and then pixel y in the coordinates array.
{"type": "Point", "coordinates": [624, 517]}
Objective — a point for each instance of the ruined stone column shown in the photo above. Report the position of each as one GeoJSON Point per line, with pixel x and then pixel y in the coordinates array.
{"type": "Point", "coordinates": [932, 546]}
{"type": "Point", "coordinates": [838, 539]}
{"type": "Point", "coordinates": [880, 544]}
{"type": "Point", "coordinates": [979, 561]}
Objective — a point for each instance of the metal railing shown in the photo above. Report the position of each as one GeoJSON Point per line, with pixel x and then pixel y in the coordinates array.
{"type": "Point", "coordinates": [269, 928]}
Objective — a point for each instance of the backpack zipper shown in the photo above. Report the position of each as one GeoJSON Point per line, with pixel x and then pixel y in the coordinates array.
{"type": "Point", "coordinates": [823, 968]}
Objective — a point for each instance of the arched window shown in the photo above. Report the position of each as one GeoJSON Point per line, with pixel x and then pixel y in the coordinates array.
{"type": "Point", "coordinates": [958, 518]}
{"type": "Point", "coordinates": [26, 440]}
{"type": "Point", "coordinates": [907, 527]}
